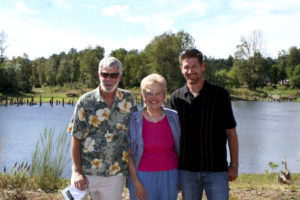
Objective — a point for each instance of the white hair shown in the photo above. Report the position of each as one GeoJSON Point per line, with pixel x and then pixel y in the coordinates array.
{"type": "Point", "coordinates": [154, 78]}
{"type": "Point", "coordinates": [110, 62]}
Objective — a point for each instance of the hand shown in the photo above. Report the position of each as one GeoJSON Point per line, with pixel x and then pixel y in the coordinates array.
{"type": "Point", "coordinates": [80, 181]}
{"type": "Point", "coordinates": [139, 191]}
{"type": "Point", "coordinates": [233, 173]}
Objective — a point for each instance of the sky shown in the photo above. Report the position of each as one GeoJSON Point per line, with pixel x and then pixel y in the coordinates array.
{"type": "Point", "coordinates": [41, 28]}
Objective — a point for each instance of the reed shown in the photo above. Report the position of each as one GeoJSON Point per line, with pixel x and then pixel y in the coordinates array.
{"type": "Point", "coordinates": [49, 159]}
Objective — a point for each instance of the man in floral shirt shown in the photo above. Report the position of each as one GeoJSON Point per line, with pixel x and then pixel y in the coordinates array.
{"type": "Point", "coordinates": [99, 135]}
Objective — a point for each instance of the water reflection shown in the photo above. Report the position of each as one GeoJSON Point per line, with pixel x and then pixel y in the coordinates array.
{"type": "Point", "coordinates": [267, 131]}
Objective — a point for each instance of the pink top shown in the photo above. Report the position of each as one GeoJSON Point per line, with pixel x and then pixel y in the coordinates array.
{"type": "Point", "coordinates": [159, 147]}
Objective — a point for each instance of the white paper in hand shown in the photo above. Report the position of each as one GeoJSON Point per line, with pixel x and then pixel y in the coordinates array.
{"type": "Point", "coordinates": [72, 193]}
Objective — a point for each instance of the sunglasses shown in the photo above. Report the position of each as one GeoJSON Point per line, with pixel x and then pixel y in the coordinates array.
{"type": "Point", "coordinates": [111, 75]}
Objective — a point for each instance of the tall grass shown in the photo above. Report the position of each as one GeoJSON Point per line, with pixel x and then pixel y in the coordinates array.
{"type": "Point", "coordinates": [49, 159]}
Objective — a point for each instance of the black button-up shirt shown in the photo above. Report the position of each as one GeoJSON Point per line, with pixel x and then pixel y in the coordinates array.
{"type": "Point", "coordinates": [204, 120]}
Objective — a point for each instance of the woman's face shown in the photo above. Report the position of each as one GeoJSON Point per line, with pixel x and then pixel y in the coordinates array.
{"type": "Point", "coordinates": [154, 96]}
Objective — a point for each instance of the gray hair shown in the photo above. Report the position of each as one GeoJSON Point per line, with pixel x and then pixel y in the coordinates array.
{"type": "Point", "coordinates": [154, 78]}
{"type": "Point", "coordinates": [110, 62]}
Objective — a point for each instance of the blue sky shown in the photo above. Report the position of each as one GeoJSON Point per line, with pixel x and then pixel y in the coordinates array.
{"type": "Point", "coordinates": [44, 27]}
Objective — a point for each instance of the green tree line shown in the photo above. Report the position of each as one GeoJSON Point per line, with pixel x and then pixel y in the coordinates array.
{"type": "Point", "coordinates": [247, 68]}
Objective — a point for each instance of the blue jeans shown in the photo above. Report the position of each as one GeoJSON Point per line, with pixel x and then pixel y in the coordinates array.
{"type": "Point", "coordinates": [160, 185]}
{"type": "Point", "coordinates": [215, 185]}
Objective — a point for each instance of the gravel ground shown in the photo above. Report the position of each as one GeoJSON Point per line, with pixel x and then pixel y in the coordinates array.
{"type": "Point", "coordinates": [234, 195]}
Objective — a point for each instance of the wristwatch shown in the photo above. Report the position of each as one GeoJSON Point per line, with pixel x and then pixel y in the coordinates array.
{"type": "Point", "coordinates": [236, 165]}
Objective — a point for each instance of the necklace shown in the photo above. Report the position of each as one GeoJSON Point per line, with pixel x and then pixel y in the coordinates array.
{"type": "Point", "coordinates": [152, 118]}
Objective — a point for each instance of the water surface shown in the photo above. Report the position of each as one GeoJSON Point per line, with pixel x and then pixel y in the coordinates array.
{"type": "Point", "coordinates": [266, 131]}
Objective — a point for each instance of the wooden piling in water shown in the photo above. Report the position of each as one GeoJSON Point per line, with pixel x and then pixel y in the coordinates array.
{"type": "Point", "coordinates": [51, 101]}
{"type": "Point", "coordinates": [63, 102]}
{"type": "Point", "coordinates": [32, 101]}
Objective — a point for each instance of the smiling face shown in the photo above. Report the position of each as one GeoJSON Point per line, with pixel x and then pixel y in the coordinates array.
{"type": "Point", "coordinates": [192, 70]}
{"type": "Point", "coordinates": [154, 96]}
{"type": "Point", "coordinates": [107, 83]}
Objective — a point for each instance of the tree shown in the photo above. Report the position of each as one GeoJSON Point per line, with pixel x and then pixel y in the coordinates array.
{"type": "Point", "coordinates": [295, 78]}
{"type": "Point", "coordinates": [3, 78]}
{"type": "Point", "coordinates": [51, 69]}
{"type": "Point", "coordinates": [162, 56]}
{"type": "Point", "coordinates": [282, 65]}
{"type": "Point", "coordinates": [63, 71]}
{"type": "Point", "coordinates": [15, 79]}
{"type": "Point", "coordinates": [293, 60]}
{"type": "Point", "coordinates": [89, 61]}
{"type": "Point", "coordinates": [250, 62]}
{"type": "Point", "coordinates": [3, 46]}
{"type": "Point", "coordinates": [274, 74]}
{"type": "Point", "coordinates": [73, 62]}
{"type": "Point", "coordinates": [136, 68]}
{"type": "Point", "coordinates": [233, 78]}
{"type": "Point", "coordinates": [38, 72]}
{"type": "Point", "coordinates": [121, 54]}
{"type": "Point", "coordinates": [24, 73]}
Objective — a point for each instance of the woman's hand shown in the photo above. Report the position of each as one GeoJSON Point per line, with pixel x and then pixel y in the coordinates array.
{"type": "Point", "coordinates": [139, 191]}
{"type": "Point", "coordinates": [80, 181]}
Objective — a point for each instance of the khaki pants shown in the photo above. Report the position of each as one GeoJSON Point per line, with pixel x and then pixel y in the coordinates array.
{"type": "Point", "coordinates": [105, 188]}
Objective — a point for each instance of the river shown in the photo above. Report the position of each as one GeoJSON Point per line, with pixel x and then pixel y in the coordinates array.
{"type": "Point", "coordinates": [267, 131]}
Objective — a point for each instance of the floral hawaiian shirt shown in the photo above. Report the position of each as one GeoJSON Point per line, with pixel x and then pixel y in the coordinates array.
{"type": "Point", "coordinates": [103, 132]}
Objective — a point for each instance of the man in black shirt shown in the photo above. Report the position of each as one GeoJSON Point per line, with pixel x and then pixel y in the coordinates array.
{"type": "Point", "coordinates": [207, 122]}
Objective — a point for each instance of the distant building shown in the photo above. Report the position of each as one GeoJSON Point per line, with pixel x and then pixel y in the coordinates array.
{"type": "Point", "coordinates": [285, 82]}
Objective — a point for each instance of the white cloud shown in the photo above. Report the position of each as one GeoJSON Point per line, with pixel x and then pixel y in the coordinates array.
{"type": "Point", "coordinates": [115, 10]}
{"type": "Point", "coordinates": [137, 19]}
{"type": "Point", "coordinates": [198, 8]}
{"type": "Point", "coordinates": [61, 4]}
{"type": "Point", "coordinates": [89, 6]}
{"type": "Point", "coordinates": [216, 35]}
{"type": "Point", "coordinates": [23, 8]}
{"type": "Point", "coordinates": [155, 23]}
{"type": "Point", "coordinates": [129, 42]}
{"type": "Point", "coordinates": [30, 36]}
{"type": "Point", "coordinates": [259, 6]}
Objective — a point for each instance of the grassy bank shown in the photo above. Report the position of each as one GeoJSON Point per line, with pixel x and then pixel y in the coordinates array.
{"type": "Point", "coordinates": [47, 93]}
{"type": "Point", "coordinates": [68, 94]}
{"type": "Point", "coordinates": [247, 186]}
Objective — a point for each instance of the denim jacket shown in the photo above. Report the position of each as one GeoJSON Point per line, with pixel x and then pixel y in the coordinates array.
{"type": "Point", "coordinates": [135, 137]}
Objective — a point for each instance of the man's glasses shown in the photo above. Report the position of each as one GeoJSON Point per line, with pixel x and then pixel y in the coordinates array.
{"type": "Point", "coordinates": [111, 75]}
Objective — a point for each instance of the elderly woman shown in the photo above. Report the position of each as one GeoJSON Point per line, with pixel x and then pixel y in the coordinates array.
{"type": "Point", "coordinates": [153, 139]}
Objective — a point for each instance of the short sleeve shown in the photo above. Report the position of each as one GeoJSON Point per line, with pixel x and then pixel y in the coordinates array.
{"type": "Point", "coordinates": [77, 126]}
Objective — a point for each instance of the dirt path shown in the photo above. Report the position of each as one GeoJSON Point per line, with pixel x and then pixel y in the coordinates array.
{"type": "Point", "coordinates": [234, 195]}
